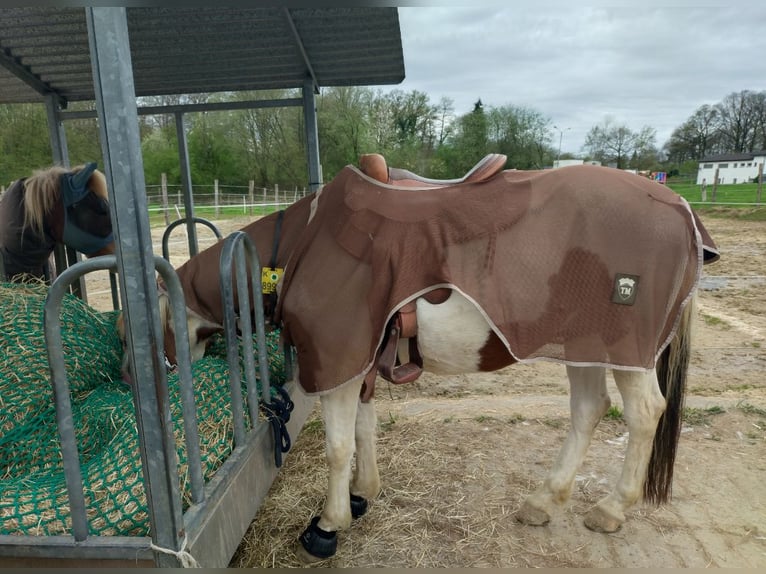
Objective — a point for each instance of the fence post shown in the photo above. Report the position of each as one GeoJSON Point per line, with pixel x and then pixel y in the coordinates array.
{"type": "Point", "coordinates": [215, 197]}
{"type": "Point", "coordinates": [715, 184]}
{"type": "Point", "coordinates": [164, 187]}
{"type": "Point", "coordinates": [251, 194]}
{"type": "Point", "coordinates": [760, 183]}
{"type": "Point", "coordinates": [276, 195]}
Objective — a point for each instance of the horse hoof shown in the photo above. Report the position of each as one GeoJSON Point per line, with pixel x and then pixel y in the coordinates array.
{"type": "Point", "coordinates": [599, 520]}
{"type": "Point", "coordinates": [317, 544]}
{"type": "Point", "coordinates": [532, 516]}
{"type": "Point", "coordinates": [358, 506]}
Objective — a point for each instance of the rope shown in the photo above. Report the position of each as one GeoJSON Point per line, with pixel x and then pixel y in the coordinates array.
{"type": "Point", "coordinates": [183, 555]}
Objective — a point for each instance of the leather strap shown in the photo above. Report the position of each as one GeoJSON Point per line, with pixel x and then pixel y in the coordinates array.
{"type": "Point", "coordinates": [404, 323]}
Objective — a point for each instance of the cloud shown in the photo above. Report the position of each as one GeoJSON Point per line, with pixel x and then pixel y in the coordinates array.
{"type": "Point", "coordinates": [642, 65]}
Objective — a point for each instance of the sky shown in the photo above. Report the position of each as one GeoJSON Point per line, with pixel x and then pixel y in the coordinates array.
{"type": "Point", "coordinates": [639, 63]}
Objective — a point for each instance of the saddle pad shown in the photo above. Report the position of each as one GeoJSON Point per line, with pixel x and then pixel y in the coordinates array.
{"type": "Point", "coordinates": [583, 265]}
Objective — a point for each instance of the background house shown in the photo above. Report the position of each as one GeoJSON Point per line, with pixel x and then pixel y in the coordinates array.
{"type": "Point", "coordinates": [732, 167]}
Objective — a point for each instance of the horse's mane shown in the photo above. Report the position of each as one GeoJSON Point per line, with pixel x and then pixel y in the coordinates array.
{"type": "Point", "coordinates": [43, 191]}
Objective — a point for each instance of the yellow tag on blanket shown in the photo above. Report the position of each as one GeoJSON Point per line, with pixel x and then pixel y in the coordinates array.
{"type": "Point", "coordinates": [269, 279]}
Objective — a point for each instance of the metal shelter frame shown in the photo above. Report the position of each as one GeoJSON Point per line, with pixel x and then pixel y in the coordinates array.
{"type": "Point", "coordinates": [212, 527]}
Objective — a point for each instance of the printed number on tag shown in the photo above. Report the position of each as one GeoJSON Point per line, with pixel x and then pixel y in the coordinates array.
{"type": "Point", "coordinates": [269, 279]}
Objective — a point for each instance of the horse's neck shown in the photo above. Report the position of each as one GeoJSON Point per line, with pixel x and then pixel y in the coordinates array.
{"type": "Point", "coordinates": [23, 250]}
{"type": "Point", "coordinates": [267, 231]}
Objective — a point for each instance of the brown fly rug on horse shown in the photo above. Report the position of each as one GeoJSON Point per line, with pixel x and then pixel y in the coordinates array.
{"type": "Point", "coordinates": [586, 266]}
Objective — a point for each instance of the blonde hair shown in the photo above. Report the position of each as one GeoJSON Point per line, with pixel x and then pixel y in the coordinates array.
{"type": "Point", "coordinates": [43, 191]}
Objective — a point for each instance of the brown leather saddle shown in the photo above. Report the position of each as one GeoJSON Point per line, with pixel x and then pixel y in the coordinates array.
{"type": "Point", "coordinates": [404, 322]}
{"type": "Point", "coordinates": [374, 165]}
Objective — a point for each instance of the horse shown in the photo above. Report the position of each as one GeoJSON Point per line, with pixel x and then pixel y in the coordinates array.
{"type": "Point", "coordinates": [386, 272]}
{"type": "Point", "coordinates": [53, 205]}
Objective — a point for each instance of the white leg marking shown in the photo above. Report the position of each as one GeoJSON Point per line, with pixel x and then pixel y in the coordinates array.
{"type": "Point", "coordinates": [366, 481]}
{"type": "Point", "coordinates": [644, 404]}
{"type": "Point", "coordinates": [588, 403]}
{"type": "Point", "coordinates": [339, 410]}
{"type": "Point", "coordinates": [450, 335]}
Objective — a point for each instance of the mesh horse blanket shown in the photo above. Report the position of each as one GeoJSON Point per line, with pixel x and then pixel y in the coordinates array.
{"type": "Point", "coordinates": [583, 265]}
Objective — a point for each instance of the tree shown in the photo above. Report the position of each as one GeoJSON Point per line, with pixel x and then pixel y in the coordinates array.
{"type": "Point", "coordinates": [737, 120]}
{"type": "Point", "coordinates": [611, 143]}
{"type": "Point", "coordinates": [696, 137]}
{"type": "Point", "coordinates": [521, 133]}
{"type": "Point", "coordinates": [469, 144]}
{"type": "Point", "coordinates": [24, 141]}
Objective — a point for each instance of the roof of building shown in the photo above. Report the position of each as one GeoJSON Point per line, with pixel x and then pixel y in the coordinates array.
{"type": "Point", "coordinates": [45, 50]}
{"type": "Point", "coordinates": [733, 156]}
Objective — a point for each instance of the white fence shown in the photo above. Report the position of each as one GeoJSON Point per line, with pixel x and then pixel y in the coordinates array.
{"type": "Point", "coordinates": [168, 199]}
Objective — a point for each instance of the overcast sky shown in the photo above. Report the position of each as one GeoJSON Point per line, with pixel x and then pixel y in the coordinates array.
{"type": "Point", "coordinates": [641, 65]}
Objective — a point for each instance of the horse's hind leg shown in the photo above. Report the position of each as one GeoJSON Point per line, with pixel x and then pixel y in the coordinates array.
{"type": "Point", "coordinates": [366, 482]}
{"type": "Point", "coordinates": [644, 404]}
{"type": "Point", "coordinates": [588, 403]}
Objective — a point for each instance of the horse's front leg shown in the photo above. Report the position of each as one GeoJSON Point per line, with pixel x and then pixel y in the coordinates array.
{"type": "Point", "coordinates": [588, 403]}
{"type": "Point", "coordinates": [644, 404]}
{"type": "Point", "coordinates": [339, 410]}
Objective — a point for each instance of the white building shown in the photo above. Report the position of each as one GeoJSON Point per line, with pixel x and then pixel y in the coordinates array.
{"type": "Point", "coordinates": [566, 162]}
{"type": "Point", "coordinates": [732, 167]}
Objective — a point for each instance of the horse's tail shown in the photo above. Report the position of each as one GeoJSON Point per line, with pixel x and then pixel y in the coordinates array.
{"type": "Point", "coordinates": [671, 367]}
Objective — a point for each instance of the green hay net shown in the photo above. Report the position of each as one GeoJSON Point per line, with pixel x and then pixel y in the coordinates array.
{"type": "Point", "coordinates": [33, 498]}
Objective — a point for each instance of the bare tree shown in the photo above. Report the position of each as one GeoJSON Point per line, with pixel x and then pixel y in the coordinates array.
{"type": "Point", "coordinates": [611, 143]}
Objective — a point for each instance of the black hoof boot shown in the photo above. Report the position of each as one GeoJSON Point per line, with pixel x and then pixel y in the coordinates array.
{"type": "Point", "coordinates": [358, 506]}
{"type": "Point", "coordinates": [318, 544]}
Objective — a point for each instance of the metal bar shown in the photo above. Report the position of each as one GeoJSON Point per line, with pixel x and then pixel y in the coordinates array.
{"type": "Point", "coordinates": [238, 489]}
{"type": "Point", "coordinates": [176, 223]}
{"type": "Point", "coordinates": [21, 72]}
{"type": "Point", "coordinates": [302, 49]}
{"type": "Point", "coordinates": [185, 378]}
{"type": "Point", "coordinates": [63, 404]}
{"type": "Point", "coordinates": [186, 183]}
{"type": "Point", "coordinates": [230, 332]}
{"type": "Point", "coordinates": [118, 124]}
{"type": "Point", "coordinates": [56, 131]}
{"type": "Point", "coordinates": [312, 137]}
{"type": "Point", "coordinates": [115, 291]}
{"type": "Point", "coordinates": [191, 108]}
{"type": "Point", "coordinates": [64, 547]}
{"type": "Point", "coordinates": [246, 329]}
{"type": "Point", "coordinates": [63, 256]}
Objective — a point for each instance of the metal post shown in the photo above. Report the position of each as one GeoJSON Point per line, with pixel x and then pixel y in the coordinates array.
{"type": "Point", "coordinates": [121, 147]}
{"type": "Point", "coordinates": [63, 256]}
{"type": "Point", "coordinates": [312, 135]}
{"type": "Point", "coordinates": [186, 183]}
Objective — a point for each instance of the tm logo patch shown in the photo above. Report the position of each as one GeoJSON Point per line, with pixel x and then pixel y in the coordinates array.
{"type": "Point", "coordinates": [625, 289]}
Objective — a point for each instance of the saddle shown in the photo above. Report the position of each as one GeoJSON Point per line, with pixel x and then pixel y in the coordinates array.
{"type": "Point", "coordinates": [374, 165]}
{"type": "Point", "coordinates": [404, 322]}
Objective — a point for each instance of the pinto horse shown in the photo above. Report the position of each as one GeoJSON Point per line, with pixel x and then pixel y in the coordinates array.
{"type": "Point", "coordinates": [55, 205]}
{"type": "Point", "coordinates": [591, 267]}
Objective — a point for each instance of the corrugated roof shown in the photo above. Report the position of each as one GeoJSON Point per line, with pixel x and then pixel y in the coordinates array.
{"type": "Point", "coordinates": [734, 156]}
{"type": "Point", "coordinates": [192, 50]}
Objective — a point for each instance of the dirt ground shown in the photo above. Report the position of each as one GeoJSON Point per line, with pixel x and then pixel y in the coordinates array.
{"type": "Point", "coordinates": [458, 455]}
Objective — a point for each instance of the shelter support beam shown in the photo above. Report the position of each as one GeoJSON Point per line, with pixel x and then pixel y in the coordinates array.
{"type": "Point", "coordinates": [186, 183]}
{"type": "Point", "coordinates": [118, 123]}
{"type": "Point", "coordinates": [63, 256]}
{"type": "Point", "coordinates": [312, 136]}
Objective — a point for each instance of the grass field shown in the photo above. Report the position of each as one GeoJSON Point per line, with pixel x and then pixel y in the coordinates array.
{"type": "Point", "coordinates": [746, 193]}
